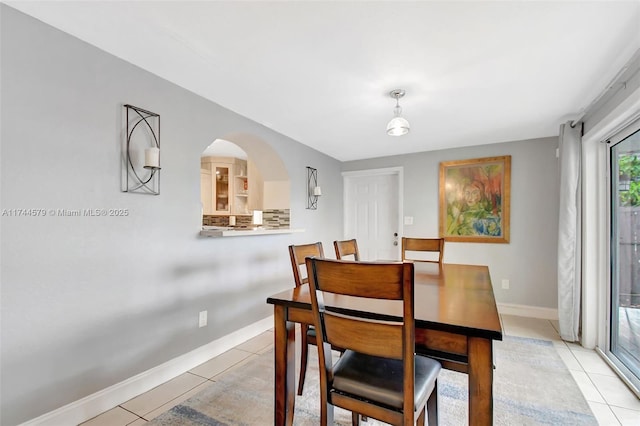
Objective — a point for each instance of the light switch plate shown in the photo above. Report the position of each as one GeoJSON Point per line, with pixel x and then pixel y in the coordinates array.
{"type": "Point", "coordinates": [202, 319]}
{"type": "Point", "coordinates": [408, 220]}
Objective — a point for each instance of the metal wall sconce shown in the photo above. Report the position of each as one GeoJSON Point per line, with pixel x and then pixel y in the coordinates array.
{"type": "Point", "coordinates": [143, 136]}
{"type": "Point", "coordinates": [313, 190]}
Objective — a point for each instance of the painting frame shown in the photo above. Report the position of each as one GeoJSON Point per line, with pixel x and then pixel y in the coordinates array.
{"type": "Point", "coordinates": [475, 200]}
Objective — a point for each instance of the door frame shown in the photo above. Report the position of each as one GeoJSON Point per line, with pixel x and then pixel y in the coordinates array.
{"type": "Point", "coordinates": [605, 323]}
{"type": "Point", "coordinates": [398, 171]}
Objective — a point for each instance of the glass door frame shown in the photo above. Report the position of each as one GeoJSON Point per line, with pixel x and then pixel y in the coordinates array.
{"type": "Point", "coordinates": [628, 376]}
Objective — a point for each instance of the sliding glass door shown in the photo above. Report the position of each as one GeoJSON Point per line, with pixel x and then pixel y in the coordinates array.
{"type": "Point", "coordinates": [624, 300]}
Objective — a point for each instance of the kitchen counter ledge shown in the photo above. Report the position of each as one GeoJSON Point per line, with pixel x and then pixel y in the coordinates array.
{"type": "Point", "coordinates": [217, 232]}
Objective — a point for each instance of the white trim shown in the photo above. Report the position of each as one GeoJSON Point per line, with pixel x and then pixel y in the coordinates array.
{"type": "Point", "coordinates": [101, 401]}
{"type": "Point", "coordinates": [595, 225]}
{"type": "Point", "coordinates": [374, 172]}
{"type": "Point", "coordinates": [595, 244]}
{"type": "Point", "coordinates": [527, 311]}
{"type": "Point", "coordinates": [620, 369]}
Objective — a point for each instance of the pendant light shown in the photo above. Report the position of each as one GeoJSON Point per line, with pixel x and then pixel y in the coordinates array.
{"type": "Point", "coordinates": [398, 125]}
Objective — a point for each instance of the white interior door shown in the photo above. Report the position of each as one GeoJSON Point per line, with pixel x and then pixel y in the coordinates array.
{"type": "Point", "coordinates": [372, 204]}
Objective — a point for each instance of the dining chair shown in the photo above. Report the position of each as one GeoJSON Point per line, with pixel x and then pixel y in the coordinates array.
{"type": "Point", "coordinates": [347, 248]}
{"type": "Point", "coordinates": [298, 253]}
{"type": "Point", "coordinates": [379, 374]}
{"type": "Point", "coordinates": [434, 245]}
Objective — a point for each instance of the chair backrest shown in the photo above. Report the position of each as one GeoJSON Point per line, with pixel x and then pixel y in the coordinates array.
{"type": "Point", "coordinates": [298, 253]}
{"type": "Point", "coordinates": [435, 245]}
{"type": "Point", "coordinates": [378, 337]}
{"type": "Point", "coordinates": [346, 248]}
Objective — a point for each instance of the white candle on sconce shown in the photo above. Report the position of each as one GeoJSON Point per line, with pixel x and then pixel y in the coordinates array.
{"type": "Point", "coordinates": [317, 191]}
{"type": "Point", "coordinates": [152, 157]}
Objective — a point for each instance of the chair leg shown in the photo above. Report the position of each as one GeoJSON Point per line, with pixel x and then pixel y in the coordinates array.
{"type": "Point", "coordinates": [326, 414]}
{"type": "Point", "coordinates": [432, 406]}
{"type": "Point", "coordinates": [304, 349]}
{"type": "Point", "coordinates": [355, 419]}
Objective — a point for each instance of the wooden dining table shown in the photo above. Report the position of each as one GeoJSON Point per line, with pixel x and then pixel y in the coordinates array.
{"type": "Point", "coordinates": [456, 322]}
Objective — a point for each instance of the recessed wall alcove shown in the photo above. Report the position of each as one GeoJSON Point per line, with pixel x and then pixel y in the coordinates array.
{"type": "Point", "coordinates": [244, 185]}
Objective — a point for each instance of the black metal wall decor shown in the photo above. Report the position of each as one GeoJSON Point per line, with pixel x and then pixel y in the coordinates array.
{"type": "Point", "coordinates": [142, 151]}
{"type": "Point", "coordinates": [313, 190]}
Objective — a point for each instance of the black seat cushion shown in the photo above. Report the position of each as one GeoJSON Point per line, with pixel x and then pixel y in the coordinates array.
{"type": "Point", "coordinates": [380, 379]}
{"type": "Point", "coordinates": [311, 332]}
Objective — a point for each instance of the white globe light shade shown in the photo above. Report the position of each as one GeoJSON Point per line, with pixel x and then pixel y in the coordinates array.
{"type": "Point", "coordinates": [398, 126]}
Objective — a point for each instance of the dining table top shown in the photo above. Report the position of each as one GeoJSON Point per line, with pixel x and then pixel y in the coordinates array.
{"type": "Point", "coordinates": [448, 297]}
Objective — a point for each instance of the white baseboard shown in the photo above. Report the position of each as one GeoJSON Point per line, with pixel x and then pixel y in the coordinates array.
{"type": "Point", "coordinates": [101, 401]}
{"type": "Point", "coordinates": [527, 311]}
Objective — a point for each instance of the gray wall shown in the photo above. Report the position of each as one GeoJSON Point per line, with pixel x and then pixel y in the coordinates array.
{"type": "Point", "coordinates": [88, 302]}
{"type": "Point", "coordinates": [529, 260]}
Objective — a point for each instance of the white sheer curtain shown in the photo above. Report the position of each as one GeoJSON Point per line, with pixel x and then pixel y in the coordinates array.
{"type": "Point", "coordinates": [569, 231]}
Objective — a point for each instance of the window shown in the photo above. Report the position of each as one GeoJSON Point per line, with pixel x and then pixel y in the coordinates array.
{"type": "Point", "coordinates": [624, 286]}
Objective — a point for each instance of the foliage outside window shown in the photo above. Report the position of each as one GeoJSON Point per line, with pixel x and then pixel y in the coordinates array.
{"type": "Point", "coordinates": [629, 180]}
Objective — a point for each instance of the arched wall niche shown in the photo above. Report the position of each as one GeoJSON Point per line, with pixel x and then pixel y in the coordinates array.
{"type": "Point", "coordinates": [267, 181]}
{"type": "Point", "coordinates": [264, 156]}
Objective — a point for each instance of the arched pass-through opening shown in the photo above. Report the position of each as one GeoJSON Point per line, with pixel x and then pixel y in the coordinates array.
{"type": "Point", "coordinates": [243, 185]}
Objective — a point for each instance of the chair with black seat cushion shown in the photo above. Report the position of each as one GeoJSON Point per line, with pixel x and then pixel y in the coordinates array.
{"type": "Point", "coordinates": [379, 374]}
{"type": "Point", "coordinates": [434, 245]}
{"type": "Point", "coordinates": [347, 248]}
{"type": "Point", "coordinates": [298, 253]}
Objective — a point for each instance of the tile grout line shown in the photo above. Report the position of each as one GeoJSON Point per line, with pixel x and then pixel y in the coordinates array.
{"type": "Point", "coordinates": [590, 381]}
{"type": "Point", "coordinates": [207, 379]}
{"type": "Point", "coordinates": [527, 329]}
{"type": "Point", "coordinates": [174, 398]}
{"type": "Point", "coordinates": [597, 389]}
{"type": "Point", "coordinates": [614, 414]}
{"type": "Point", "coordinates": [135, 414]}
{"type": "Point", "coordinates": [606, 403]}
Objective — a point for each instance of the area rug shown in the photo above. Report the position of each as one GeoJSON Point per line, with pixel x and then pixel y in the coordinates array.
{"type": "Point", "coordinates": [532, 386]}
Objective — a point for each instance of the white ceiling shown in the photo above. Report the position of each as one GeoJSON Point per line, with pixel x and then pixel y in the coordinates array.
{"type": "Point", "coordinates": [320, 72]}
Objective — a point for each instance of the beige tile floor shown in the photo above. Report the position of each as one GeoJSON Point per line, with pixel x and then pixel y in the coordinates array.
{"type": "Point", "coordinates": [611, 401]}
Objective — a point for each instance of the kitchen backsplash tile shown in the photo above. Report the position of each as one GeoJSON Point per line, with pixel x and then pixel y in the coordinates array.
{"type": "Point", "coordinates": [274, 218]}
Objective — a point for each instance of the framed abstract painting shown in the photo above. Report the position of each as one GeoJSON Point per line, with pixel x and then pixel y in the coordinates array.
{"type": "Point", "coordinates": [474, 200]}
